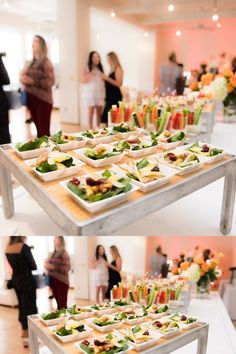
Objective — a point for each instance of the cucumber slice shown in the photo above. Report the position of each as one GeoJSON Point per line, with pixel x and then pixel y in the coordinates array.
{"type": "Point", "coordinates": [163, 123]}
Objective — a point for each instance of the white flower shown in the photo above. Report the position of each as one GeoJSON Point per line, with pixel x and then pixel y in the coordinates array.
{"type": "Point", "coordinates": [218, 272]}
{"type": "Point", "coordinates": [218, 88]}
{"type": "Point", "coordinates": [194, 272]}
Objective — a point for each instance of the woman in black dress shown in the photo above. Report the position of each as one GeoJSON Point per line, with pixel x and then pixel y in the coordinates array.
{"type": "Point", "coordinates": [4, 106]}
{"type": "Point", "coordinates": [22, 263]}
{"type": "Point", "coordinates": [114, 269]}
{"type": "Point", "coordinates": [113, 82]}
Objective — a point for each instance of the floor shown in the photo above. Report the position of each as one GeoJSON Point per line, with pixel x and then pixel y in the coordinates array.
{"type": "Point", "coordinates": [10, 327]}
{"type": "Point", "coordinates": [197, 214]}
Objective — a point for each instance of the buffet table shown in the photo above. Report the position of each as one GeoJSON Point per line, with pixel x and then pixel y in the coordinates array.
{"type": "Point", "coordinates": [75, 220]}
{"type": "Point", "coordinates": [164, 346]}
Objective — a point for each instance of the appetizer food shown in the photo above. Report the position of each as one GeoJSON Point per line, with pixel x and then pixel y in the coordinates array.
{"type": "Point", "coordinates": [132, 316]}
{"type": "Point", "coordinates": [54, 318]}
{"type": "Point", "coordinates": [53, 162]}
{"type": "Point", "coordinates": [80, 312]}
{"type": "Point", "coordinates": [106, 320]}
{"type": "Point", "coordinates": [205, 150]}
{"type": "Point", "coordinates": [123, 128]}
{"type": "Point", "coordinates": [93, 134]}
{"type": "Point", "coordinates": [63, 138]}
{"type": "Point", "coordinates": [157, 311]}
{"type": "Point", "coordinates": [183, 319]}
{"type": "Point", "coordinates": [145, 170]}
{"type": "Point", "coordinates": [69, 327]}
{"type": "Point", "coordinates": [101, 151]}
{"type": "Point", "coordinates": [135, 143]}
{"type": "Point", "coordinates": [103, 308]}
{"type": "Point", "coordinates": [167, 137]}
{"type": "Point", "coordinates": [122, 303]}
{"type": "Point", "coordinates": [109, 344]}
{"type": "Point", "coordinates": [37, 143]}
{"type": "Point", "coordinates": [167, 327]}
{"type": "Point", "coordinates": [138, 336]}
{"type": "Point", "coordinates": [95, 188]}
{"type": "Point", "coordinates": [181, 160]}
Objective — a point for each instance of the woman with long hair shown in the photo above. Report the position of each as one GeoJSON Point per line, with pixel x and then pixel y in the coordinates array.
{"type": "Point", "coordinates": [38, 79]}
{"type": "Point", "coordinates": [113, 83]}
{"type": "Point", "coordinates": [101, 272]}
{"type": "Point", "coordinates": [58, 267]}
{"type": "Point", "coordinates": [22, 262]}
{"type": "Point", "coordinates": [95, 92]}
{"type": "Point", "coordinates": [114, 269]}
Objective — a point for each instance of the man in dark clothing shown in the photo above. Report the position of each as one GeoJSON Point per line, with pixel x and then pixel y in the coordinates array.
{"type": "Point", "coordinates": [4, 106]}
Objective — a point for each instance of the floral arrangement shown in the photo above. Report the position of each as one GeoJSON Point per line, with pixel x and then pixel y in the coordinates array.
{"type": "Point", "coordinates": [203, 272]}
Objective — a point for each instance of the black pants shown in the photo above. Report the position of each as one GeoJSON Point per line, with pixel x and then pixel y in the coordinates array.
{"type": "Point", "coordinates": [27, 304]}
{"type": "Point", "coordinates": [4, 125]}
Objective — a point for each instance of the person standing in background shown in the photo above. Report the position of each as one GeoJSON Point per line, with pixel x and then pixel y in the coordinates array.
{"type": "Point", "coordinates": [114, 269]}
{"type": "Point", "coordinates": [181, 80]}
{"type": "Point", "coordinates": [101, 272]}
{"type": "Point", "coordinates": [22, 262]}
{"type": "Point", "coordinates": [95, 88]}
{"type": "Point", "coordinates": [4, 106]}
{"type": "Point", "coordinates": [168, 75]}
{"type": "Point", "coordinates": [113, 83]}
{"type": "Point", "coordinates": [157, 262]}
{"type": "Point", "coordinates": [38, 79]}
{"type": "Point", "coordinates": [58, 267]}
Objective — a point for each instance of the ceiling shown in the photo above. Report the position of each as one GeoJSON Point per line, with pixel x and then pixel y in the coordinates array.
{"type": "Point", "coordinates": [144, 13]}
{"type": "Point", "coordinates": [149, 13]}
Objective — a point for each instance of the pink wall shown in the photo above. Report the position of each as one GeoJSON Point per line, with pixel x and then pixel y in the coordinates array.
{"type": "Point", "coordinates": [175, 245]}
{"type": "Point", "coordinates": [194, 45]}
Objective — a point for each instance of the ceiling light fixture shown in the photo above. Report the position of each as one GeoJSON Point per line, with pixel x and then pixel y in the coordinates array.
{"type": "Point", "coordinates": [178, 33]}
{"type": "Point", "coordinates": [215, 16]}
{"type": "Point", "coordinates": [171, 7]}
{"type": "Point", "coordinates": [146, 34]}
{"type": "Point", "coordinates": [6, 4]}
{"type": "Point", "coordinates": [113, 14]}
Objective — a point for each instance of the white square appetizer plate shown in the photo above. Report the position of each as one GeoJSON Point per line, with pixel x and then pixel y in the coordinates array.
{"type": "Point", "coordinates": [30, 154]}
{"type": "Point", "coordinates": [74, 336]}
{"type": "Point", "coordinates": [94, 207]}
{"type": "Point", "coordinates": [168, 172]}
{"type": "Point", "coordinates": [208, 159]}
{"type": "Point", "coordinates": [156, 336]}
{"type": "Point", "coordinates": [53, 175]}
{"type": "Point", "coordinates": [72, 145]}
{"type": "Point", "coordinates": [103, 329]}
{"type": "Point", "coordinates": [101, 162]}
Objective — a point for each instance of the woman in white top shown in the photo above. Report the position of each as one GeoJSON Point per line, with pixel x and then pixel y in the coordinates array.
{"type": "Point", "coordinates": [101, 272]}
{"type": "Point", "coordinates": [95, 87]}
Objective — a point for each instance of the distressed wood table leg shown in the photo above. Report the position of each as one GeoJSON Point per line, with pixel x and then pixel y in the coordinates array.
{"type": "Point", "coordinates": [33, 342]}
{"type": "Point", "coordinates": [202, 342]}
{"type": "Point", "coordinates": [6, 191]}
{"type": "Point", "coordinates": [228, 202]}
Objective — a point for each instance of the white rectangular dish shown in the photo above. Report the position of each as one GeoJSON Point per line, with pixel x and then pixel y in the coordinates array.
{"type": "Point", "coordinates": [55, 321]}
{"type": "Point", "coordinates": [103, 329]}
{"type": "Point", "coordinates": [208, 159]}
{"type": "Point", "coordinates": [169, 146]}
{"type": "Point", "coordinates": [99, 205]}
{"type": "Point", "coordinates": [72, 145]}
{"type": "Point", "coordinates": [140, 347]}
{"type": "Point", "coordinates": [100, 162]}
{"type": "Point", "coordinates": [30, 154]}
{"type": "Point", "coordinates": [169, 173]}
{"type": "Point", "coordinates": [163, 334]}
{"type": "Point", "coordinates": [53, 175]}
{"type": "Point", "coordinates": [74, 336]}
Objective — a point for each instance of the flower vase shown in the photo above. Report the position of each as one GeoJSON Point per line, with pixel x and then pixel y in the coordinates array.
{"type": "Point", "coordinates": [230, 113]}
{"type": "Point", "coordinates": [203, 289]}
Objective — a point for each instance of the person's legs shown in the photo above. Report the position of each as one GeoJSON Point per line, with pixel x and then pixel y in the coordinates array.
{"type": "Point", "coordinates": [103, 288]}
{"type": "Point", "coordinates": [98, 114]}
{"type": "Point", "coordinates": [62, 295]}
{"type": "Point", "coordinates": [54, 287]}
{"type": "Point", "coordinates": [32, 106]}
{"type": "Point", "coordinates": [97, 294]}
{"type": "Point", "coordinates": [90, 117]}
{"type": "Point", "coordinates": [4, 126]}
{"type": "Point", "coordinates": [44, 110]}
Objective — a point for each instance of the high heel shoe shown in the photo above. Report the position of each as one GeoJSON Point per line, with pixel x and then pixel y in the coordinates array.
{"type": "Point", "coordinates": [25, 342]}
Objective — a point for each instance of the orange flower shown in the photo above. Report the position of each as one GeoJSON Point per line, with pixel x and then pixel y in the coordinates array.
{"type": "Point", "coordinates": [184, 266]}
{"type": "Point", "coordinates": [207, 79]}
{"type": "Point", "coordinates": [220, 255]}
{"type": "Point", "coordinates": [233, 80]}
{"type": "Point", "coordinates": [230, 88]}
{"type": "Point", "coordinates": [202, 273]}
{"type": "Point", "coordinates": [194, 86]}
{"type": "Point", "coordinates": [205, 267]}
{"type": "Point", "coordinates": [198, 260]}
{"type": "Point", "coordinates": [228, 73]}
